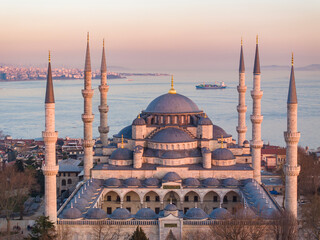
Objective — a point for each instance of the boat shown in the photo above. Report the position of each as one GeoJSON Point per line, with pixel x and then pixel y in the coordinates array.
{"type": "Point", "coordinates": [211, 86]}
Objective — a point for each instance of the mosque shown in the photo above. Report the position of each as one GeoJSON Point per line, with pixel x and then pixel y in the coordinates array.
{"type": "Point", "coordinates": [172, 170]}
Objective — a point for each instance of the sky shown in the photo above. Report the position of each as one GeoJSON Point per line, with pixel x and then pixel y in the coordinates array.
{"type": "Point", "coordinates": [164, 35]}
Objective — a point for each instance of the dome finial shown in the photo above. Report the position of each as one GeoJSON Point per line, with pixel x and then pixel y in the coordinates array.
{"type": "Point", "coordinates": [292, 59]}
{"type": "Point", "coordinates": [122, 141]}
{"type": "Point", "coordinates": [172, 90]}
{"type": "Point", "coordinates": [49, 56]}
{"type": "Point", "coordinates": [139, 115]}
{"type": "Point", "coordinates": [221, 141]}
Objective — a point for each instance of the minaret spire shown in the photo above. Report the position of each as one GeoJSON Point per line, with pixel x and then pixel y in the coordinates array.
{"type": "Point", "coordinates": [292, 136]}
{"type": "Point", "coordinates": [256, 119]}
{"type": "Point", "coordinates": [50, 167]}
{"type": "Point", "coordinates": [103, 108]}
{"type": "Point", "coordinates": [87, 116]}
{"type": "Point", "coordinates": [241, 108]}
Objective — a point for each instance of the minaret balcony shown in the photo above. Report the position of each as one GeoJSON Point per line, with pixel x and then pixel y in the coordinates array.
{"type": "Point", "coordinates": [103, 108]}
{"type": "Point", "coordinates": [88, 143]}
{"type": "Point", "coordinates": [256, 94]}
{"type": "Point", "coordinates": [292, 137]}
{"type": "Point", "coordinates": [256, 119]}
{"type": "Point", "coordinates": [87, 93]}
{"type": "Point", "coordinates": [241, 129]}
{"type": "Point", "coordinates": [241, 109]}
{"type": "Point", "coordinates": [50, 170]}
{"type": "Point", "coordinates": [87, 118]}
{"type": "Point", "coordinates": [49, 137]}
{"type": "Point", "coordinates": [242, 89]}
{"type": "Point", "coordinates": [103, 88]}
{"type": "Point", "coordinates": [291, 170]}
{"type": "Point", "coordinates": [103, 129]}
{"type": "Point", "coordinates": [256, 143]}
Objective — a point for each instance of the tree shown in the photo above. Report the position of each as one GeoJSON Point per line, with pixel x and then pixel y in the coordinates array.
{"type": "Point", "coordinates": [139, 234]}
{"type": "Point", "coordinates": [311, 217]}
{"type": "Point", "coordinates": [43, 229]}
{"type": "Point", "coordinates": [14, 188]}
{"type": "Point", "coordinates": [285, 227]}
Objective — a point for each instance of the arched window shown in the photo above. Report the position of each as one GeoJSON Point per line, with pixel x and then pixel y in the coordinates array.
{"type": "Point", "coordinates": [69, 181]}
{"type": "Point", "coordinates": [63, 182]}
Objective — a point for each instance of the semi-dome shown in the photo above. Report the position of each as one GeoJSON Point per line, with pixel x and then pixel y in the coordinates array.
{"type": "Point", "coordinates": [145, 213]}
{"type": "Point", "coordinates": [120, 213]}
{"type": "Point", "coordinates": [218, 132]}
{"type": "Point", "coordinates": [171, 177]}
{"type": "Point", "coordinates": [96, 213]}
{"type": "Point", "coordinates": [191, 182]}
{"type": "Point", "coordinates": [132, 182]}
{"type": "Point", "coordinates": [112, 182]}
{"type": "Point", "coordinates": [126, 132]}
{"type": "Point", "coordinates": [172, 103]}
{"type": "Point", "coordinates": [222, 154]}
{"type": "Point", "coordinates": [171, 207]}
{"type": "Point", "coordinates": [171, 135]}
{"type": "Point", "coordinates": [72, 213]}
{"type": "Point", "coordinates": [230, 182]}
{"type": "Point", "coordinates": [211, 182]}
{"type": "Point", "coordinates": [151, 182]}
{"type": "Point", "coordinates": [204, 121]}
{"type": "Point", "coordinates": [122, 154]}
{"type": "Point", "coordinates": [139, 121]}
{"type": "Point", "coordinates": [220, 213]}
{"type": "Point", "coordinates": [195, 213]}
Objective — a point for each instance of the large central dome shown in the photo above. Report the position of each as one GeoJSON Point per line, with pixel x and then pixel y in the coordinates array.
{"type": "Point", "coordinates": [172, 103]}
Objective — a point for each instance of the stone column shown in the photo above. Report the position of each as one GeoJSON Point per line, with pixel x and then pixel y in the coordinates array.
{"type": "Point", "coordinates": [292, 136]}
{"type": "Point", "coordinates": [103, 108]}
{"type": "Point", "coordinates": [241, 108]}
{"type": "Point", "coordinates": [87, 117]}
{"type": "Point", "coordinates": [256, 119]}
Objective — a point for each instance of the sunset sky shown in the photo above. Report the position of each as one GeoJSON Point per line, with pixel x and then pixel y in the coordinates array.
{"type": "Point", "coordinates": [155, 35]}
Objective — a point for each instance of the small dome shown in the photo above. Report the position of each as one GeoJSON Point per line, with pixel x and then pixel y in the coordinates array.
{"type": "Point", "coordinates": [151, 182]}
{"type": "Point", "coordinates": [171, 177]}
{"type": "Point", "coordinates": [245, 142]}
{"type": "Point", "coordinates": [72, 213]}
{"type": "Point", "coordinates": [211, 182]}
{"type": "Point", "coordinates": [220, 213]}
{"type": "Point", "coordinates": [112, 182]}
{"type": "Point", "coordinates": [245, 213]}
{"type": "Point", "coordinates": [120, 213]}
{"type": "Point", "coordinates": [145, 213]}
{"type": "Point", "coordinates": [96, 213]}
{"type": "Point", "coordinates": [122, 154]}
{"type": "Point", "coordinates": [132, 182]}
{"type": "Point", "coordinates": [191, 182]}
{"type": "Point", "coordinates": [171, 207]}
{"type": "Point", "coordinates": [230, 182]}
{"type": "Point", "coordinates": [86, 196]}
{"type": "Point", "coordinates": [139, 121]}
{"type": "Point", "coordinates": [126, 132]}
{"type": "Point", "coordinates": [80, 203]}
{"type": "Point", "coordinates": [218, 131]}
{"type": "Point", "coordinates": [172, 103]}
{"type": "Point", "coordinates": [171, 135]}
{"type": "Point", "coordinates": [222, 154]}
{"type": "Point", "coordinates": [95, 182]}
{"type": "Point", "coordinates": [204, 121]}
{"type": "Point", "coordinates": [261, 204]}
{"type": "Point", "coordinates": [195, 213]}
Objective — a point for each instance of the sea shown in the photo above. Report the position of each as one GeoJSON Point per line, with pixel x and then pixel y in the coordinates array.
{"type": "Point", "coordinates": [22, 103]}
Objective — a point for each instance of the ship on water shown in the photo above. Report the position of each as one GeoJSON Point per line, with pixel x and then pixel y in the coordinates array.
{"type": "Point", "coordinates": [211, 86]}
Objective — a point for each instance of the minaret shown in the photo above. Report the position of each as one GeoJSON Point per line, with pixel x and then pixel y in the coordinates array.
{"type": "Point", "coordinates": [103, 108]}
{"type": "Point", "coordinates": [241, 108]}
{"type": "Point", "coordinates": [87, 116]}
{"type": "Point", "coordinates": [256, 119]}
{"type": "Point", "coordinates": [292, 136]}
{"type": "Point", "coordinates": [50, 167]}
